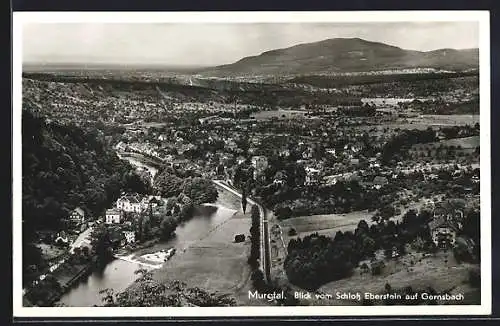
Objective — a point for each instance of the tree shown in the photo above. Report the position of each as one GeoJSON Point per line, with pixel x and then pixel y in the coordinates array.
{"type": "Point", "coordinates": [283, 212]}
{"type": "Point", "coordinates": [387, 212]}
{"type": "Point", "coordinates": [134, 183]}
{"type": "Point", "coordinates": [168, 184]}
{"type": "Point", "coordinates": [244, 201]}
{"type": "Point", "coordinates": [200, 190]}
{"type": "Point", "coordinates": [255, 237]}
{"type": "Point", "coordinates": [85, 251]}
{"type": "Point", "coordinates": [100, 240]}
{"type": "Point", "coordinates": [146, 228]}
{"type": "Point", "coordinates": [168, 226]}
{"type": "Point", "coordinates": [363, 227]}
{"type": "Point", "coordinates": [147, 292]}
{"type": "Point", "coordinates": [32, 262]}
{"type": "Point", "coordinates": [258, 280]}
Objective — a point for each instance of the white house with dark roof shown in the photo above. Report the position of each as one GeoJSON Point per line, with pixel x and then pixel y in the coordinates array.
{"type": "Point", "coordinates": [113, 216]}
{"type": "Point", "coordinates": [78, 214]}
{"type": "Point", "coordinates": [129, 236]}
{"type": "Point", "coordinates": [129, 203]}
{"type": "Point", "coordinates": [313, 175]}
{"type": "Point", "coordinates": [77, 217]}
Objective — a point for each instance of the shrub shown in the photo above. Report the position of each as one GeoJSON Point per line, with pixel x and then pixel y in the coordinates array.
{"type": "Point", "coordinates": [475, 278]}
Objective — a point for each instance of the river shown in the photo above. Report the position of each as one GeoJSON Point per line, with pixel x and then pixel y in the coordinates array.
{"type": "Point", "coordinates": [119, 274]}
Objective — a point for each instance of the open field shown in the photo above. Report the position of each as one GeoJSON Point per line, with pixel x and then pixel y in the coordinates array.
{"type": "Point", "coordinates": [323, 224]}
{"type": "Point", "coordinates": [215, 262]}
{"type": "Point", "coordinates": [441, 272]}
{"type": "Point", "coordinates": [423, 122]}
{"type": "Point", "coordinates": [279, 114]}
{"type": "Point", "coordinates": [466, 142]}
{"type": "Point", "coordinates": [446, 120]}
{"type": "Point", "coordinates": [466, 145]}
{"type": "Point", "coordinates": [50, 252]}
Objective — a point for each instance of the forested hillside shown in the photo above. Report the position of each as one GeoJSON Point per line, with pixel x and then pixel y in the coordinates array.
{"type": "Point", "coordinates": [66, 167]}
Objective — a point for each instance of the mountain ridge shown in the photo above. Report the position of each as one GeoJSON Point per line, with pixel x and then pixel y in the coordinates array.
{"type": "Point", "coordinates": [337, 55]}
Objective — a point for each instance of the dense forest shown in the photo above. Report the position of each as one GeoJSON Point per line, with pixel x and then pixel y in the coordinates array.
{"type": "Point", "coordinates": [65, 167]}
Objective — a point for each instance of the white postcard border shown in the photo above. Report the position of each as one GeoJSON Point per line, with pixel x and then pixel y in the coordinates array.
{"type": "Point", "coordinates": [482, 17]}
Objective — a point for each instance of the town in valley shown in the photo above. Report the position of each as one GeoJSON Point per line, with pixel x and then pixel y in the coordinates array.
{"type": "Point", "coordinates": [339, 166]}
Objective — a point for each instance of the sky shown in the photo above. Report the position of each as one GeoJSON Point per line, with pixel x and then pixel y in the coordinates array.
{"type": "Point", "coordinates": [210, 44]}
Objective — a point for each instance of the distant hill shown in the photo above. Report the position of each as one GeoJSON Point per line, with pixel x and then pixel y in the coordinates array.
{"type": "Point", "coordinates": [345, 55]}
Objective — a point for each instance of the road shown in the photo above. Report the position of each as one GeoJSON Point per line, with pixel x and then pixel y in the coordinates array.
{"type": "Point", "coordinates": [83, 239]}
{"type": "Point", "coordinates": [265, 252]}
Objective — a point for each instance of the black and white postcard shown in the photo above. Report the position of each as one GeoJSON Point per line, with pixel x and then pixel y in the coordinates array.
{"type": "Point", "coordinates": [251, 164]}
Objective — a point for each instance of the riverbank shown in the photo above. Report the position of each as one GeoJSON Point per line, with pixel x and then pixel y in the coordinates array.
{"type": "Point", "coordinates": [215, 262]}
{"type": "Point", "coordinates": [47, 293]}
{"type": "Point", "coordinates": [212, 260]}
{"type": "Point", "coordinates": [120, 273]}
{"type": "Point", "coordinates": [205, 240]}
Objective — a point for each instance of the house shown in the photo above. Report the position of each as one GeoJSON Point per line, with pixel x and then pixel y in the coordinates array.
{"type": "Point", "coordinates": [117, 237]}
{"type": "Point", "coordinates": [77, 217]}
{"type": "Point", "coordinates": [444, 231]}
{"type": "Point", "coordinates": [121, 146]}
{"type": "Point", "coordinates": [439, 212]}
{"type": "Point", "coordinates": [331, 151]}
{"type": "Point", "coordinates": [379, 182]}
{"type": "Point", "coordinates": [129, 236]}
{"type": "Point", "coordinates": [276, 230]}
{"type": "Point", "coordinates": [377, 267]}
{"type": "Point", "coordinates": [129, 203]}
{"type": "Point", "coordinates": [61, 238]}
{"type": "Point", "coordinates": [184, 199]}
{"type": "Point", "coordinates": [308, 153]}
{"type": "Point", "coordinates": [395, 252]}
{"type": "Point", "coordinates": [374, 265]}
{"type": "Point", "coordinates": [113, 216]}
{"type": "Point", "coordinates": [230, 144]}
{"type": "Point", "coordinates": [150, 201]}
{"type": "Point", "coordinates": [284, 152]}
{"type": "Point", "coordinates": [279, 178]}
{"type": "Point", "coordinates": [240, 159]}
{"type": "Point", "coordinates": [331, 179]}
{"type": "Point", "coordinates": [259, 164]}
{"type": "Point", "coordinates": [356, 147]}
{"type": "Point", "coordinates": [364, 268]}
{"type": "Point", "coordinates": [312, 176]}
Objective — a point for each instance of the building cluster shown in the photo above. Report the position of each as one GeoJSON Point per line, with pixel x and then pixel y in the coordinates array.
{"type": "Point", "coordinates": [130, 206]}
